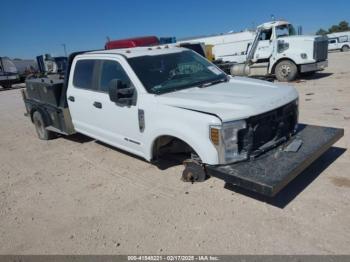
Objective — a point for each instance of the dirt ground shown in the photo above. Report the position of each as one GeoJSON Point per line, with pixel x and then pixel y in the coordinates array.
{"type": "Point", "coordinates": [77, 196]}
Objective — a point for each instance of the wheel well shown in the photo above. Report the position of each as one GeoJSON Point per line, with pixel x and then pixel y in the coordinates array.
{"type": "Point", "coordinates": [280, 60]}
{"type": "Point", "coordinates": [166, 145]}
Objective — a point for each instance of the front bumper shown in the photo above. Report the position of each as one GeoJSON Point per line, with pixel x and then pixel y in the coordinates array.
{"type": "Point", "coordinates": [313, 66]}
{"type": "Point", "coordinates": [271, 172]}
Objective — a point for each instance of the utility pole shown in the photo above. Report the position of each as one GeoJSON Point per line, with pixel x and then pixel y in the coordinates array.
{"type": "Point", "coordinates": [64, 49]}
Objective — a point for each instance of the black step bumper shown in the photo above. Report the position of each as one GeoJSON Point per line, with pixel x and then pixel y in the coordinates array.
{"type": "Point", "coordinates": [272, 171]}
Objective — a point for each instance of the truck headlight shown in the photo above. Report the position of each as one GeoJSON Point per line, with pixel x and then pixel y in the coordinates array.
{"type": "Point", "coordinates": [282, 46]}
{"type": "Point", "coordinates": [225, 139]}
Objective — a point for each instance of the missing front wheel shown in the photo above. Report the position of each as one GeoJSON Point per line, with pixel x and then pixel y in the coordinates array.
{"type": "Point", "coordinates": [194, 171]}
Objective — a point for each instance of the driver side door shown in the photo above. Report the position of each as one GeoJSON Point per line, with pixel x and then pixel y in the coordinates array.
{"type": "Point", "coordinates": [265, 45]}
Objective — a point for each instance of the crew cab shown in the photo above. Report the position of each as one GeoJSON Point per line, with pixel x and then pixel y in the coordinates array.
{"type": "Point", "coordinates": [156, 101]}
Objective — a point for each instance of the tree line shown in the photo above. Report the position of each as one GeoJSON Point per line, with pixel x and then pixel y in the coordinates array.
{"type": "Point", "coordinates": [341, 27]}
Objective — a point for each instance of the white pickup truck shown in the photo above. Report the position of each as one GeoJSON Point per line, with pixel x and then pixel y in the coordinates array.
{"type": "Point", "coordinates": [156, 101]}
{"type": "Point", "coordinates": [339, 41]}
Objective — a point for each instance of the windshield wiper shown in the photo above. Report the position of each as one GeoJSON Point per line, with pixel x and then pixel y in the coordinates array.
{"type": "Point", "coordinates": [214, 82]}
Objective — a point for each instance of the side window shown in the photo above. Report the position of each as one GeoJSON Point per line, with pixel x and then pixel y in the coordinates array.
{"type": "Point", "coordinates": [83, 74]}
{"type": "Point", "coordinates": [265, 34]}
{"type": "Point", "coordinates": [111, 70]}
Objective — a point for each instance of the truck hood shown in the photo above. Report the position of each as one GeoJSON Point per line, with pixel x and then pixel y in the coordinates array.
{"type": "Point", "coordinates": [237, 99]}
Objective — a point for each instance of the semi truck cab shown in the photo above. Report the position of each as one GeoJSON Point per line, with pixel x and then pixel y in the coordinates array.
{"type": "Point", "coordinates": [277, 50]}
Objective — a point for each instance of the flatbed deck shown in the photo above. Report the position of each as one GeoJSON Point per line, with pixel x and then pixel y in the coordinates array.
{"type": "Point", "coordinates": [271, 172]}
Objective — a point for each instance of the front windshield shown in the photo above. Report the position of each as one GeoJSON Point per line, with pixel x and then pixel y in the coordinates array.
{"type": "Point", "coordinates": [285, 30]}
{"type": "Point", "coordinates": [170, 72]}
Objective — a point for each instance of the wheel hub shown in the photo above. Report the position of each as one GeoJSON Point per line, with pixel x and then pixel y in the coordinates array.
{"type": "Point", "coordinates": [285, 70]}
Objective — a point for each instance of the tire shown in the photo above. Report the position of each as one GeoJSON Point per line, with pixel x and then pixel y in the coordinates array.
{"type": "Point", "coordinates": [41, 131]}
{"type": "Point", "coordinates": [286, 71]}
{"type": "Point", "coordinates": [345, 48]}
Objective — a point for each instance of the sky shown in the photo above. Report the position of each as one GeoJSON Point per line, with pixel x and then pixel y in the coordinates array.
{"type": "Point", "coordinates": [31, 28]}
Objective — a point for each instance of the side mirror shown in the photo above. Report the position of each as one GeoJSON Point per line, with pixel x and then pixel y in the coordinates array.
{"type": "Point", "coordinates": [119, 92]}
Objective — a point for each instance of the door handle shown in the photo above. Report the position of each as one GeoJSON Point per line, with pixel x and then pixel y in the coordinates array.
{"type": "Point", "coordinates": [71, 98]}
{"type": "Point", "coordinates": [97, 104]}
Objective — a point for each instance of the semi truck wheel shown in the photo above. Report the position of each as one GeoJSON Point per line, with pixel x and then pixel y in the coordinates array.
{"type": "Point", "coordinates": [43, 134]}
{"type": "Point", "coordinates": [345, 48]}
{"type": "Point", "coordinates": [286, 71]}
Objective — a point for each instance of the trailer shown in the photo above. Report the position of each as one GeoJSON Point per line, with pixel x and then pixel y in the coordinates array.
{"type": "Point", "coordinates": [8, 73]}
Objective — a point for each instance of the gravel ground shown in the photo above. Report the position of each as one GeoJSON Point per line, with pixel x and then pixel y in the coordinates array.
{"type": "Point", "coordinates": [77, 196]}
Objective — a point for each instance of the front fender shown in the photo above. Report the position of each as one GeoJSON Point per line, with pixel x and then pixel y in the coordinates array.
{"type": "Point", "coordinates": [199, 142]}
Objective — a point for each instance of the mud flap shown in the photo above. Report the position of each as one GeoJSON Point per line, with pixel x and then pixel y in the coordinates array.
{"type": "Point", "coordinates": [271, 172]}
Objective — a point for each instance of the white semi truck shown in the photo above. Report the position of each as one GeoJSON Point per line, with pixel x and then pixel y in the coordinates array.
{"type": "Point", "coordinates": [157, 101]}
{"type": "Point", "coordinates": [274, 49]}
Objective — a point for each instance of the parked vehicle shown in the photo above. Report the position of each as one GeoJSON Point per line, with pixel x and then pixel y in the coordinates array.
{"type": "Point", "coordinates": [339, 41]}
{"type": "Point", "coordinates": [156, 101]}
{"type": "Point", "coordinates": [274, 49]}
{"type": "Point", "coordinates": [132, 42]}
{"type": "Point", "coordinates": [8, 72]}
{"type": "Point", "coordinates": [25, 67]}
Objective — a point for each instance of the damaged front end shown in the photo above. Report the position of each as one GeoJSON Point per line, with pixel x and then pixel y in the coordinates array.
{"type": "Point", "coordinates": [265, 152]}
{"type": "Point", "coordinates": [269, 173]}
{"type": "Point", "coordinates": [245, 139]}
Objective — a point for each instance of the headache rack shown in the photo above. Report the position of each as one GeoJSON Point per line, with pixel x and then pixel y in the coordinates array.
{"type": "Point", "coordinates": [267, 130]}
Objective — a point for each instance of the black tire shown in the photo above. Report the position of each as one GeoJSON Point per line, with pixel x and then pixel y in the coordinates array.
{"type": "Point", "coordinates": [286, 71]}
{"type": "Point", "coordinates": [41, 131]}
{"type": "Point", "coordinates": [345, 48]}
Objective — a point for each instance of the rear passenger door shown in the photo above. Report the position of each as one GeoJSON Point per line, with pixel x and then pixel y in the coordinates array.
{"type": "Point", "coordinates": [94, 114]}
{"type": "Point", "coordinates": [81, 94]}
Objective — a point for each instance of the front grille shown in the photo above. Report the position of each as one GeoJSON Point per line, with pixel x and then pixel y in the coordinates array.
{"type": "Point", "coordinates": [268, 129]}
{"type": "Point", "coordinates": [320, 49]}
